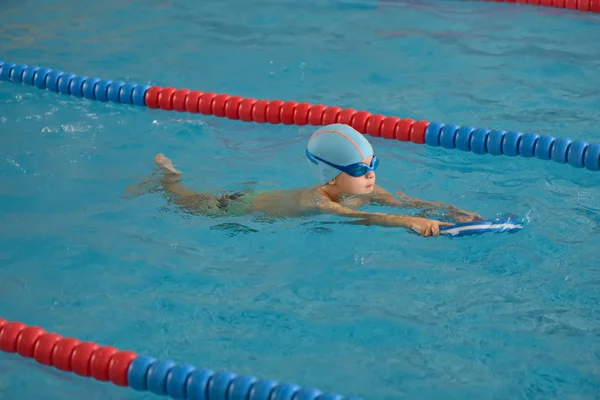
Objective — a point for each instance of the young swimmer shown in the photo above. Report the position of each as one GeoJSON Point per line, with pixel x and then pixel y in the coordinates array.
{"type": "Point", "coordinates": [344, 161]}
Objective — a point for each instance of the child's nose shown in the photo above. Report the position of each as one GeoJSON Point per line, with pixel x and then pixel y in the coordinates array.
{"type": "Point", "coordinates": [370, 175]}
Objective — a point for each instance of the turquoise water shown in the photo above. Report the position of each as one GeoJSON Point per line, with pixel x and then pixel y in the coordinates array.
{"type": "Point", "coordinates": [362, 311]}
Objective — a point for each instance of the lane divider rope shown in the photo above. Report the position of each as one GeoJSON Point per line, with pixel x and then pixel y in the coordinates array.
{"type": "Point", "coordinates": [143, 373]}
{"type": "Point", "coordinates": [581, 5]}
{"type": "Point", "coordinates": [496, 142]}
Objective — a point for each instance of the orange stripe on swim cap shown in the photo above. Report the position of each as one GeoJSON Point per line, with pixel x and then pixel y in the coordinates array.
{"type": "Point", "coordinates": [356, 146]}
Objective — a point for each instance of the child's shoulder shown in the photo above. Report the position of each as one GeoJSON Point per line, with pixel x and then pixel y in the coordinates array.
{"type": "Point", "coordinates": [311, 196]}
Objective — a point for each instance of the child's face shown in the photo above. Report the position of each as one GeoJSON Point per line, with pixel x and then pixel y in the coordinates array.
{"type": "Point", "coordinates": [356, 185]}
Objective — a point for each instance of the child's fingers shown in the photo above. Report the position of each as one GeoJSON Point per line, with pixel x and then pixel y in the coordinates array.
{"type": "Point", "coordinates": [417, 228]}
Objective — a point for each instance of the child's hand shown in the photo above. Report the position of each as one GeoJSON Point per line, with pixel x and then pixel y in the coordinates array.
{"type": "Point", "coordinates": [425, 227]}
{"type": "Point", "coordinates": [464, 216]}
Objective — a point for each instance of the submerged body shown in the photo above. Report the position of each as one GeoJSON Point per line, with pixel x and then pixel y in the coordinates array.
{"type": "Point", "coordinates": [345, 163]}
{"type": "Point", "coordinates": [318, 199]}
{"type": "Point", "coordinates": [278, 203]}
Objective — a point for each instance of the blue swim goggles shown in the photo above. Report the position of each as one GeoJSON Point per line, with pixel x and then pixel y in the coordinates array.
{"type": "Point", "coordinates": [356, 170]}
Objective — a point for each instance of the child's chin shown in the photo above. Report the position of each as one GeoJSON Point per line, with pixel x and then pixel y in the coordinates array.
{"type": "Point", "coordinates": [358, 192]}
{"type": "Point", "coordinates": [367, 190]}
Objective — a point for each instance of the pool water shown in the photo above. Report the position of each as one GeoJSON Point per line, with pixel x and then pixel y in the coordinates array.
{"type": "Point", "coordinates": [374, 312]}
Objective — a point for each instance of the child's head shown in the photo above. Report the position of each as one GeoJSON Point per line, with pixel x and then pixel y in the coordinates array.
{"type": "Point", "coordinates": [343, 158]}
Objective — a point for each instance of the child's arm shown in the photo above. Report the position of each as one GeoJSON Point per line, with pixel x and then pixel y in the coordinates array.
{"type": "Point", "coordinates": [423, 226]}
{"type": "Point", "coordinates": [386, 198]}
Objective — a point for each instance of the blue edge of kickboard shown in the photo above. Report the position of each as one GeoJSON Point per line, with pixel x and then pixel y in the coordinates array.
{"type": "Point", "coordinates": [478, 227]}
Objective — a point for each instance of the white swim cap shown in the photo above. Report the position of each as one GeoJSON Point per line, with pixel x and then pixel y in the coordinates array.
{"type": "Point", "coordinates": [338, 144]}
